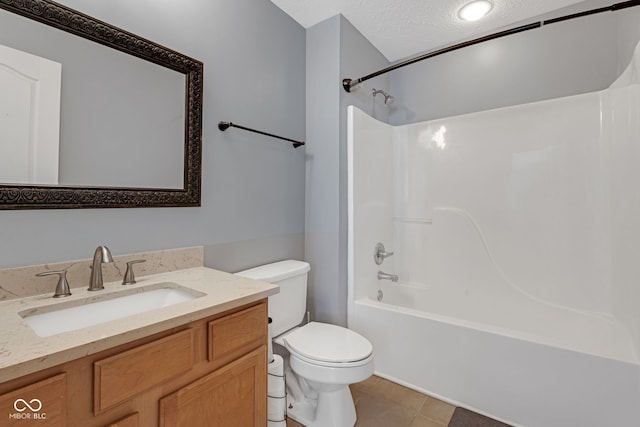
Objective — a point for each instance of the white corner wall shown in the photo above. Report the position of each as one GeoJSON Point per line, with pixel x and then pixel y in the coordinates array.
{"type": "Point", "coordinates": [371, 195]}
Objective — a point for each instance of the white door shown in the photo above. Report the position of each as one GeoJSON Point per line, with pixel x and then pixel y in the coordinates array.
{"type": "Point", "coordinates": [29, 118]}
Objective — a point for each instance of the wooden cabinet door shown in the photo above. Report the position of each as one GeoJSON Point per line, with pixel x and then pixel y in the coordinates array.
{"type": "Point", "coordinates": [232, 396]}
{"type": "Point", "coordinates": [42, 404]}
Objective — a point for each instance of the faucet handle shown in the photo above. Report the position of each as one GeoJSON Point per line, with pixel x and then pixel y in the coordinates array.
{"type": "Point", "coordinates": [62, 289]}
{"type": "Point", "coordinates": [380, 253]}
{"type": "Point", "coordinates": [129, 277]}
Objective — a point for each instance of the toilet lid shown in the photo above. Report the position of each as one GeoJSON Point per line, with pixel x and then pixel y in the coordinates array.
{"type": "Point", "coordinates": [328, 343]}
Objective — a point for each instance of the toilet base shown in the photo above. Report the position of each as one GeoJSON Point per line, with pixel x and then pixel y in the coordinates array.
{"type": "Point", "coordinates": [302, 412]}
{"type": "Point", "coordinates": [332, 409]}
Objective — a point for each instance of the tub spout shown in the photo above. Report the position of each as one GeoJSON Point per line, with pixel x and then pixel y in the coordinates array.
{"type": "Point", "coordinates": [384, 276]}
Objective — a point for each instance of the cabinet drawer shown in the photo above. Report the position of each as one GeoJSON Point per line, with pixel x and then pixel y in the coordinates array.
{"type": "Point", "coordinates": [43, 404]}
{"type": "Point", "coordinates": [122, 376]}
{"type": "Point", "coordinates": [238, 332]}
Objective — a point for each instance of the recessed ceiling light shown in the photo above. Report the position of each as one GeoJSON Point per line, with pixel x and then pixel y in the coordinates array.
{"type": "Point", "coordinates": [475, 10]}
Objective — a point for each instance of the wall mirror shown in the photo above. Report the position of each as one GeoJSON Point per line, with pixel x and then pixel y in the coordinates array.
{"type": "Point", "coordinates": [130, 113]}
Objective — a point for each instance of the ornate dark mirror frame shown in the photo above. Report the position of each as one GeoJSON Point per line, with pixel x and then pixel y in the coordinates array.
{"type": "Point", "coordinates": [61, 197]}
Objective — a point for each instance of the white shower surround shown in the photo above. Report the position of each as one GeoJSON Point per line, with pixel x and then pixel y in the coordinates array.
{"type": "Point", "coordinates": [516, 235]}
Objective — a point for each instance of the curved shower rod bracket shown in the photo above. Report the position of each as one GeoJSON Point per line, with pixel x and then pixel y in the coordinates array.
{"type": "Point", "coordinates": [226, 125]}
{"type": "Point", "coordinates": [352, 84]}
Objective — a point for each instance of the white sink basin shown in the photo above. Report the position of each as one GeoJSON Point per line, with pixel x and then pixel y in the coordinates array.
{"type": "Point", "coordinates": [63, 317]}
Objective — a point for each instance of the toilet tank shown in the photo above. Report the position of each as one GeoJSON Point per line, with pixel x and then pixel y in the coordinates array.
{"type": "Point", "coordinates": [288, 307]}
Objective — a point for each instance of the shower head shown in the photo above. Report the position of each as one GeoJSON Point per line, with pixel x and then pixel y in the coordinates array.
{"type": "Point", "coordinates": [388, 99]}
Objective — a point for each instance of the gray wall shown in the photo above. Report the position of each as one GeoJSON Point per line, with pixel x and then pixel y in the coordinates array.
{"type": "Point", "coordinates": [322, 169]}
{"type": "Point", "coordinates": [562, 59]}
{"type": "Point", "coordinates": [253, 186]}
{"type": "Point", "coordinates": [335, 49]}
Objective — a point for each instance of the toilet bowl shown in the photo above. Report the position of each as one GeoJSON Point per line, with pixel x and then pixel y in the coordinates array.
{"type": "Point", "coordinates": [322, 359]}
{"type": "Point", "coordinates": [327, 358]}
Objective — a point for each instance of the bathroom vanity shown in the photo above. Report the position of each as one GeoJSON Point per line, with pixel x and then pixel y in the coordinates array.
{"type": "Point", "coordinates": [200, 362]}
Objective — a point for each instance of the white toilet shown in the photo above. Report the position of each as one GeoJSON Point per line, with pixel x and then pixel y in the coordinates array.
{"type": "Point", "coordinates": [324, 358]}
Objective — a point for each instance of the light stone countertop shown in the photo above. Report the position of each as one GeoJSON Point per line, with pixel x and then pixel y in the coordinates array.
{"type": "Point", "coordinates": [23, 352]}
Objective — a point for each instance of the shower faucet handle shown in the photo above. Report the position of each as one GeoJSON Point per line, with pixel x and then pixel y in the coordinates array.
{"type": "Point", "coordinates": [379, 253]}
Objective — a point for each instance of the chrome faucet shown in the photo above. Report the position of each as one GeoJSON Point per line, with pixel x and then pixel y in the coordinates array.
{"type": "Point", "coordinates": [101, 256]}
{"type": "Point", "coordinates": [385, 276]}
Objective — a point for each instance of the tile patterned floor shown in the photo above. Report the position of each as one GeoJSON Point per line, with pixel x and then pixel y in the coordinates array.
{"type": "Point", "coordinates": [381, 403]}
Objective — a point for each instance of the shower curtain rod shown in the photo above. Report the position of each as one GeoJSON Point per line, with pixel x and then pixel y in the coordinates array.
{"type": "Point", "coordinates": [226, 125]}
{"type": "Point", "coordinates": [349, 84]}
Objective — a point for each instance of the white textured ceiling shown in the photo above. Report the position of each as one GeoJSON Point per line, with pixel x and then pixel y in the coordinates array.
{"type": "Point", "coordinates": [401, 28]}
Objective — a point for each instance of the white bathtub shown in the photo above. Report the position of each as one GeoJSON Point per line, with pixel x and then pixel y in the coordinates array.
{"type": "Point", "coordinates": [504, 359]}
{"type": "Point", "coordinates": [515, 234]}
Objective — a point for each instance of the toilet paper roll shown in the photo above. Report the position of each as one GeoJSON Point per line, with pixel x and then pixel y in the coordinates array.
{"type": "Point", "coordinates": [276, 386]}
{"type": "Point", "coordinates": [276, 409]}
{"type": "Point", "coordinates": [275, 379]}
{"type": "Point", "coordinates": [276, 424]}
{"type": "Point", "coordinates": [277, 366]}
